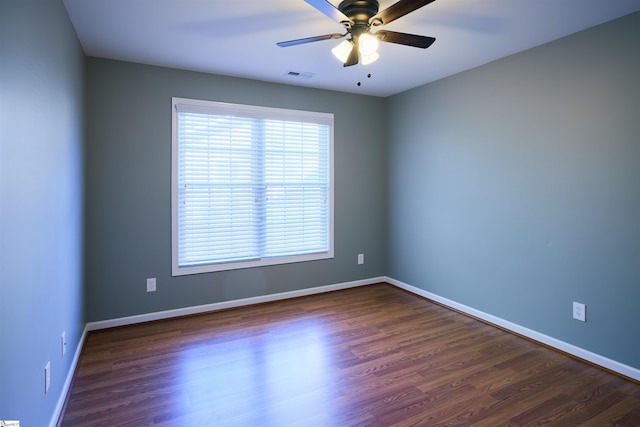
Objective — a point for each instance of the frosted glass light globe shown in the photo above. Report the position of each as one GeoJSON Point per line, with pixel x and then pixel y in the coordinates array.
{"type": "Point", "coordinates": [367, 44]}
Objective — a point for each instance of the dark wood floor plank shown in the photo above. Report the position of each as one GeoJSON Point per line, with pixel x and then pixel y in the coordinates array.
{"type": "Point", "coordinates": [368, 356]}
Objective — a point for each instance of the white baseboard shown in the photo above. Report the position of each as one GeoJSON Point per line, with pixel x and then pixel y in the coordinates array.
{"type": "Point", "coordinates": [571, 349]}
{"type": "Point", "coordinates": [67, 383]}
{"type": "Point", "coordinates": [130, 320]}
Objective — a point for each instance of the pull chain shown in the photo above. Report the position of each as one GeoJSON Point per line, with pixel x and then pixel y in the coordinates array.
{"type": "Point", "coordinates": [368, 76]}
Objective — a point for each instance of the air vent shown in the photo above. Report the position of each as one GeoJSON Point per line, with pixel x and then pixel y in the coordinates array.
{"type": "Point", "coordinates": [300, 74]}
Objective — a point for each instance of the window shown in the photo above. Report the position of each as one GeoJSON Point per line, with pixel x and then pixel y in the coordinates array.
{"type": "Point", "coordinates": [251, 186]}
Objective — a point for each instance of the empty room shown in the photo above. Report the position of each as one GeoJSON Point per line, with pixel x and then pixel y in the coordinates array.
{"type": "Point", "coordinates": [319, 213]}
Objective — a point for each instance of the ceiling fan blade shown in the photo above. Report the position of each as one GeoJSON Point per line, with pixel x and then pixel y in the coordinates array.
{"type": "Point", "coordinates": [331, 11]}
{"type": "Point", "coordinates": [422, 42]}
{"type": "Point", "coordinates": [397, 10]}
{"type": "Point", "coordinates": [353, 57]}
{"type": "Point", "coordinates": [310, 39]}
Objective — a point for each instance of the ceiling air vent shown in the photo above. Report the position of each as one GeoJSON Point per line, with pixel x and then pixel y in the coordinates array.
{"type": "Point", "coordinates": [300, 74]}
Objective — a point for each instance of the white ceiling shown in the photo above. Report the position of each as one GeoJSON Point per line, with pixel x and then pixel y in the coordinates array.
{"type": "Point", "coordinates": [238, 37]}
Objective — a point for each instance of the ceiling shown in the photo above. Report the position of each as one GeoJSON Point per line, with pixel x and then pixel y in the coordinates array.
{"type": "Point", "coordinates": [238, 37]}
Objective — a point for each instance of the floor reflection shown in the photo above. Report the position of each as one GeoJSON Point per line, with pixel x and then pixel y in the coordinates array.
{"type": "Point", "coordinates": [278, 377]}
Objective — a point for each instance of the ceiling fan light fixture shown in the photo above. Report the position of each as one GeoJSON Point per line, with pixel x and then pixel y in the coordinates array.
{"type": "Point", "coordinates": [359, 18]}
{"type": "Point", "coordinates": [343, 50]}
{"type": "Point", "coordinates": [368, 44]}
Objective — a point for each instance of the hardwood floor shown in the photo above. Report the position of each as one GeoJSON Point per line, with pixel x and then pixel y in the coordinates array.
{"type": "Point", "coordinates": [369, 356]}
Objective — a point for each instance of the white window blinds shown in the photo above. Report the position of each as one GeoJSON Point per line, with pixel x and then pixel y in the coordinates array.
{"type": "Point", "coordinates": [252, 186]}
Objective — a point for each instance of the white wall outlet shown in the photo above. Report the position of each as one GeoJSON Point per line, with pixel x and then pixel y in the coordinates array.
{"type": "Point", "coordinates": [360, 258]}
{"type": "Point", "coordinates": [47, 377]}
{"type": "Point", "coordinates": [579, 311]}
{"type": "Point", "coordinates": [151, 284]}
{"type": "Point", "coordinates": [63, 342]}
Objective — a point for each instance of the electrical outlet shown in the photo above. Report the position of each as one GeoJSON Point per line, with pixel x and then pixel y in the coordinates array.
{"type": "Point", "coordinates": [63, 342]}
{"type": "Point", "coordinates": [47, 377]}
{"type": "Point", "coordinates": [360, 258]}
{"type": "Point", "coordinates": [579, 311]}
{"type": "Point", "coordinates": [151, 284]}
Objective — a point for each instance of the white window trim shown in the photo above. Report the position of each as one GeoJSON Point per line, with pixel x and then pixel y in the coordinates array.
{"type": "Point", "coordinates": [262, 112]}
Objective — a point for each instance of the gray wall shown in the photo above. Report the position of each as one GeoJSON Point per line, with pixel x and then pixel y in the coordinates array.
{"type": "Point", "coordinates": [515, 188]}
{"type": "Point", "coordinates": [41, 116]}
{"type": "Point", "coordinates": [128, 167]}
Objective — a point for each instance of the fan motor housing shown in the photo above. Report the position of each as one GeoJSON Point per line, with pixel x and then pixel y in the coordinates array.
{"type": "Point", "coordinates": [359, 10]}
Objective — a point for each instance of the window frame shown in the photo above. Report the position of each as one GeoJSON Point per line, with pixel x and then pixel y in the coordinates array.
{"type": "Point", "coordinates": [257, 112]}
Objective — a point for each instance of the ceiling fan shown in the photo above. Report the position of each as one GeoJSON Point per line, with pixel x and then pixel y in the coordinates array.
{"type": "Point", "coordinates": [359, 17]}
